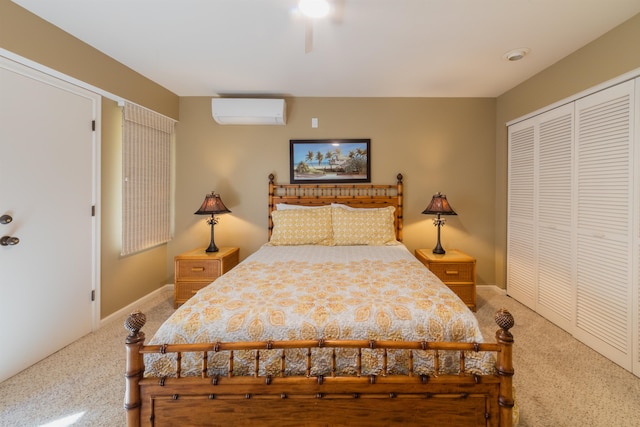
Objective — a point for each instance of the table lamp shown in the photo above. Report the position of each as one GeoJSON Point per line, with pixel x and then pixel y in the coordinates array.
{"type": "Point", "coordinates": [212, 205]}
{"type": "Point", "coordinates": [439, 206]}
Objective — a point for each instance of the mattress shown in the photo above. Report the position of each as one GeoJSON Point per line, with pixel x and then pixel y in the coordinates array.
{"type": "Point", "coordinates": [322, 292]}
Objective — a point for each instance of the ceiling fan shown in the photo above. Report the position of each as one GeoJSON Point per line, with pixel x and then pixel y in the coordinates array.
{"type": "Point", "coordinates": [312, 10]}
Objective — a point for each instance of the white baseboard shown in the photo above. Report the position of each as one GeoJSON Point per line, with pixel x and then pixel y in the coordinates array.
{"type": "Point", "coordinates": [135, 305]}
{"type": "Point", "coordinates": [494, 288]}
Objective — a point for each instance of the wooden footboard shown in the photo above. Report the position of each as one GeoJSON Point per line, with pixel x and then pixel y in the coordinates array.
{"type": "Point", "coordinates": [463, 399]}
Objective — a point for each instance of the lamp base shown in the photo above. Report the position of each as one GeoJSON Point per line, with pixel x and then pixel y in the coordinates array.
{"type": "Point", "coordinates": [439, 249]}
{"type": "Point", "coordinates": [212, 246]}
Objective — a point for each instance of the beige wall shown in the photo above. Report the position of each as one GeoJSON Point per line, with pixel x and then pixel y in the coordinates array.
{"type": "Point", "coordinates": [123, 280]}
{"type": "Point", "coordinates": [437, 144]}
{"type": "Point", "coordinates": [609, 56]}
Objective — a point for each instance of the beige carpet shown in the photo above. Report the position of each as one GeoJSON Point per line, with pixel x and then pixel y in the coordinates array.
{"type": "Point", "coordinates": [562, 384]}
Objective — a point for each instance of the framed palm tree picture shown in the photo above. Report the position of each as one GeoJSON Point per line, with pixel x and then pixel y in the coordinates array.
{"type": "Point", "coordinates": [330, 160]}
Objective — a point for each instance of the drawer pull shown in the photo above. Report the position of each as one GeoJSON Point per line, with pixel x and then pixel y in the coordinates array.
{"type": "Point", "coordinates": [197, 269]}
{"type": "Point", "coordinates": [451, 271]}
{"type": "Point", "coordinates": [194, 291]}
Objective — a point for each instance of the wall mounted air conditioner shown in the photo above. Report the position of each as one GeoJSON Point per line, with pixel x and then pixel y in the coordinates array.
{"type": "Point", "coordinates": [249, 111]}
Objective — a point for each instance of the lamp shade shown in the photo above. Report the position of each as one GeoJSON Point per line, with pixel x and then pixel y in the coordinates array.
{"type": "Point", "coordinates": [212, 205]}
{"type": "Point", "coordinates": [439, 205]}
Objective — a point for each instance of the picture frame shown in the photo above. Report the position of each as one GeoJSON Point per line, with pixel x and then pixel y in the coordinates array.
{"type": "Point", "coordinates": [330, 160]}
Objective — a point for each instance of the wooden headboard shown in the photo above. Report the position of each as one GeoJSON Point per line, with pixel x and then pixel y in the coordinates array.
{"type": "Point", "coordinates": [354, 195]}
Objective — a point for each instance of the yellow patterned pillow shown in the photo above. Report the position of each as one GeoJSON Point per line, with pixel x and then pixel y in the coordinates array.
{"type": "Point", "coordinates": [301, 227]}
{"type": "Point", "coordinates": [363, 226]}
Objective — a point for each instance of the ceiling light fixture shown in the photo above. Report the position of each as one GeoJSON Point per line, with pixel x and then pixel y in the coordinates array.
{"type": "Point", "coordinates": [516, 54]}
{"type": "Point", "coordinates": [314, 8]}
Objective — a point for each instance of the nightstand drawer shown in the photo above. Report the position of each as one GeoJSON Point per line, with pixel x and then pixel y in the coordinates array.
{"type": "Point", "coordinates": [187, 269]}
{"type": "Point", "coordinates": [185, 290]}
{"type": "Point", "coordinates": [466, 292]}
{"type": "Point", "coordinates": [454, 272]}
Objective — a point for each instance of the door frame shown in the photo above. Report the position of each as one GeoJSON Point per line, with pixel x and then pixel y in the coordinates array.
{"type": "Point", "coordinates": [51, 77]}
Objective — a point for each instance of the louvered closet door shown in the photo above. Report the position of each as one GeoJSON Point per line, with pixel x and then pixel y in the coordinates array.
{"type": "Point", "coordinates": [636, 209]}
{"type": "Point", "coordinates": [604, 154]}
{"type": "Point", "coordinates": [554, 209]}
{"type": "Point", "coordinates": [521, 272]}
{"type": "Point", "coordinates": [540, 251]}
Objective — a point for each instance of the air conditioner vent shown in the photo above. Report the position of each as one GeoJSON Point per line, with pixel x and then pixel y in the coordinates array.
{"type": "Point", "coordinates": [249, 111]}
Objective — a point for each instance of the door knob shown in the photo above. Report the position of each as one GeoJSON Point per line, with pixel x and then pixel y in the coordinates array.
{"type": "Point", "coordinates": [5, 219]}
{"type": "Point", "coordinates": [9, 241]}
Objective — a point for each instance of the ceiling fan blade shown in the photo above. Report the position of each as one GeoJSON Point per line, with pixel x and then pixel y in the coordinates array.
{"type": "Point", "coordinates": [337, 14]}
{"type": "Point", "coordinates": [308, 36]}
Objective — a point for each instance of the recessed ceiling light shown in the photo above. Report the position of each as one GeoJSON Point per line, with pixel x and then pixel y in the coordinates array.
{"type": "Point", "coordinates": [516, 54]}
{"type": "Point", "coordinates": [314, 8]}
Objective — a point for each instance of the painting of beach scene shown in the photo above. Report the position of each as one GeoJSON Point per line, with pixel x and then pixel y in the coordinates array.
{"type": "Point", "coordinates": [330, 160]}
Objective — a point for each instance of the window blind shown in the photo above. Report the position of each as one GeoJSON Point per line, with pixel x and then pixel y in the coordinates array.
{"type": "Point", "coordinates": [146, 178]}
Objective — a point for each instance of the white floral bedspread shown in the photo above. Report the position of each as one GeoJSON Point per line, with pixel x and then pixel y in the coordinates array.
{"type": "Point", "coordinates": [320, 292]}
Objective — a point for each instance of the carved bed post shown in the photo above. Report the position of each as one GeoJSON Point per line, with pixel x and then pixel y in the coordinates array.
{"type": "Point", "coordinates": [399, 209]}
{"type": "Point", "coordinates": [271, 206]}
{"type": "Point", "coordinates": [504, 366]}
{"type": "Point", "coordinates": [134, 366]}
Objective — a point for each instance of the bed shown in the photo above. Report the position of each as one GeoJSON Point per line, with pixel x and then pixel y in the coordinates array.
{"type": "Point", "coordinates": [332, 322]}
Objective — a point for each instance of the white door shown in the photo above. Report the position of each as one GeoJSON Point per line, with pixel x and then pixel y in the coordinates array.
{"type": "Point", "coordinates": [47, 187]}
{"type": "Point", "coordinates": [521, 232]}
{"type": "Point", "coordinates": [555, 246]}
{"type": "Point", "coordinates": [605, 206]}
{"type": "Point", "coordinates": [540, 240]}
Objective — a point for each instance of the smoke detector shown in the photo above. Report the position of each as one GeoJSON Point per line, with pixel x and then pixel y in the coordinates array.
{"type": "Point", "coordinates": [516, 54]}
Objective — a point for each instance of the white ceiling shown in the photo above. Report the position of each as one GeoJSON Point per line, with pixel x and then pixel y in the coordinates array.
{"type": "Point", "coordinates": [369, 48]}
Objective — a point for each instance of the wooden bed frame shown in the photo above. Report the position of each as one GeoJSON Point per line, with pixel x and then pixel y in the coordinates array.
{"type": "Point", "coordinates": [462, 399]}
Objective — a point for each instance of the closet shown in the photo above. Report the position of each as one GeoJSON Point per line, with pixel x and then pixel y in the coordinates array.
{"type": "Point", "coordinates": [573, 234]}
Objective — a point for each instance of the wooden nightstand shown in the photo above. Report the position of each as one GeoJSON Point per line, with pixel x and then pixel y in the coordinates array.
{"type": "Point", "coordinates": [456, 269]}
{"type": "Point", "coordinates": [196, 269]}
